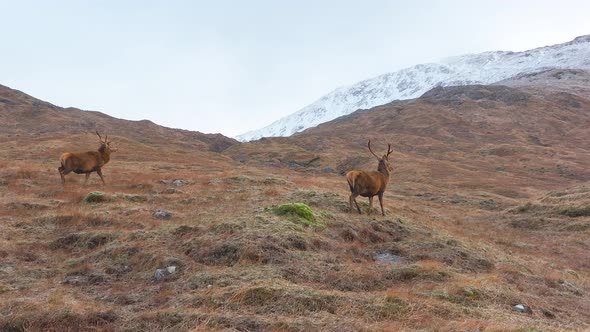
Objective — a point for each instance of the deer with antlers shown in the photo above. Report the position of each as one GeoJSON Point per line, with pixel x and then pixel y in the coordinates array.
{"type": "Point", "coordinates": [369, 184]}
{"type": "Point", "coordinates": [86, 162]}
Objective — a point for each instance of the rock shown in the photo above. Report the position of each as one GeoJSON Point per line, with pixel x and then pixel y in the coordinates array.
{"type": "Point", "coordinates": [162, 214]}
{"type": "Point", "coordinates": [523, 308]}
{"type": "Point", "coordinates": [180, 183]}
{"type": "Point", "coordinates": [570, 287]}
{"type": "Point", "coordinates": [176, 182]}
{"type": "Point", "coordinates": [163, 273]}
{"type": "Point", "coordinates": [75, 280]}
{"type": "Point", "coordinates": [386, 257]}
{"type": "Point", "coordinates": [7, 268]}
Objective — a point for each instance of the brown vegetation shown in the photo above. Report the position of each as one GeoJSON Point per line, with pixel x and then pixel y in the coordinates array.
{"type": "Point", "coordinates": [483, 219]}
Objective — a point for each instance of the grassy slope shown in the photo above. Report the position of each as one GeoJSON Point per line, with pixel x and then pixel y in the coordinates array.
{"type": "Point", "coordinates": [466, 247]}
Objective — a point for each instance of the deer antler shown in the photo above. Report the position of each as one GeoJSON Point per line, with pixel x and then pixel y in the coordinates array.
{"type": "Point", "coordinates": [376, 156]}
{"type": "Point", "coordinates": [99, 137]}
{"type": "Point", "coordinates": [389, 150]}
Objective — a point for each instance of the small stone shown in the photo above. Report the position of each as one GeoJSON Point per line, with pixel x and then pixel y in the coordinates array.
{"type": "Point", "coordinates": [570, 287]}
{"type": "Point", "coordinates": [75, 280]}
{"type": "Point", "coordinates": [176, 182]}
{"type": "Point", "coordinates": [523, 308]}
{"type": "Point", "coordinates": [386, 257]}
{"type": "Point", "coordinates": [163, 273]}
{"type": "Point", "coordinates": [90, 279]}
{"type": "Point", "coordinates": [162, 214]}
{"type": "Point", "coordinates": [180, 183]}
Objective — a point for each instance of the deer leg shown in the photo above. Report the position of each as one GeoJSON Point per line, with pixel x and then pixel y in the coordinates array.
{"type": "Point", "coordinates": [381, 203]}
{"type": "Point", "coordinates": [370, 205]}
{"type": "Point", "coordinates": [61, 174]}
{"type": "Point", "coordinates": [353, 199]}
{"type": "Point", "coordinates": [87, 176]}
{"type": "Point", "coordinates": [99, 171]}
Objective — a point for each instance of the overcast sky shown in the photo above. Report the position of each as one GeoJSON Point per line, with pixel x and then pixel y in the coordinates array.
{"type": "Point", "coordinates": [234, 66]}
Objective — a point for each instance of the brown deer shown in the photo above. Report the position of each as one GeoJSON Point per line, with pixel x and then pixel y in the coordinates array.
{"type": "Point", "coordinates": [86, 162]}
{"type": "Point", "coordinates": [369, 184]}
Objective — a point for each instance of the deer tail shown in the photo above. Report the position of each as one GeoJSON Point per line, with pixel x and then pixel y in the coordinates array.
{"type": "Point", "coordinates": [350, 179]}
{"type": "Point", "coordinates": [64, 157]}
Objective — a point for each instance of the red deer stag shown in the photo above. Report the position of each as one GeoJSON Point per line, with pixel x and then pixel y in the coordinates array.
{"type": "Point", "coordinates": [86, 162]}
{"type": "Point", "coordinates": [369, 184]}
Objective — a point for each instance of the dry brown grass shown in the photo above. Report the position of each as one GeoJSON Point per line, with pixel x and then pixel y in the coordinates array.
{"type": "Point", "coordinates": [466, 245]}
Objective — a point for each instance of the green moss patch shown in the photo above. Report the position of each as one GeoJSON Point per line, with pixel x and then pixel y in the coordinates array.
{"type": "Point", "coordinates": [95, 197]}
{"type": "Point", "coordinates": [296, 212]}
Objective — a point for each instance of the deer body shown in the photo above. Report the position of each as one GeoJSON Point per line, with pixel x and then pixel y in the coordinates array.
{"type": "Point", "coordinates": [86, 162]}
{"type": "Point", "coordinates": [370, 184]}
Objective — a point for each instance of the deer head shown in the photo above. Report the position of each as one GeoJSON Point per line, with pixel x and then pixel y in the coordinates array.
{"type": "Point", "coordinates": [383, 161]}
{"type": "Point", "coordinates": [105, 145]}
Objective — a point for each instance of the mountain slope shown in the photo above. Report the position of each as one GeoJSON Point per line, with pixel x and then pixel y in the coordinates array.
{"type": "Point", "coordinates": [478, 136]}
{"type": "Point", "coordinates": [483, 68]}
{"type": "Point", "coordinates": [22, 115]}
{"type": "Point", "coordinates": [470, 230]}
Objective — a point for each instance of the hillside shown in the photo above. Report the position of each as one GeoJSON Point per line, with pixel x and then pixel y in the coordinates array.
{"type": "Point", "coordinates": [24, 116]}
{"type": "Point", "coordinates": [495, 137]}
{"type": "Point", "coordinates": [574, 81]}
{"type": "Point", "coordinates": [487, 209]}
{"type": "Point", "coordinates": [483, 68]}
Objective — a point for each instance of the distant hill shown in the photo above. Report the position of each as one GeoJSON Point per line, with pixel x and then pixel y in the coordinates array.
{"type": "Point", "coordinates": [23, 115]}
{"type": "Point", "coordinates": [530, 134]}
{"type": "Point", "coordinates": [483, 68]}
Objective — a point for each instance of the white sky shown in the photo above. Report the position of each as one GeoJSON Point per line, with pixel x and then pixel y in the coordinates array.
{"type": "Point", "coordinates": [234, 66]}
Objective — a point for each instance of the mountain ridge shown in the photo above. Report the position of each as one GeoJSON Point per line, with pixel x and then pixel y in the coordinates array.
{"type": "Point", "coordinates": [22, 114]}
{"type": "Point", "coordinates": [482, 68]}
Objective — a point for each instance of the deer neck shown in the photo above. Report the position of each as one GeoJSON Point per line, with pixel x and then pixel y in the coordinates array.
{"type": "Point", "coordinates": [105, 155]}
{"type": "Point", "coordinates": [382, 168]}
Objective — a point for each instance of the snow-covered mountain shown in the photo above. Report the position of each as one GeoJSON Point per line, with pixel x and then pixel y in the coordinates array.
{"type": "Point", "coordinates": [483, 68]}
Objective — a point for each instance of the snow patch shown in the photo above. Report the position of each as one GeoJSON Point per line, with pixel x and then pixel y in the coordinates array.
{"type": "Point", "coordinates": [483, 68]}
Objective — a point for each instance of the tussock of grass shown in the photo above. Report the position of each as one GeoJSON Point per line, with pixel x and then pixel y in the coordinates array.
{"type": "Point", "coordinates": [528, 207]}
{"type": "Point", "coordinates": [242, 178]}
{"type": "Point", "coordinates": [465, 295]}
{"type": "Point", "coordinates": [95, 197]}
{"type": "Point", "coordinates": [392, 307]}
{"type": "Point", "coordinates": [62, 320]}
{"type": "Point", "coordinates": [133, 198]}
{"type": "Point", "coordinates": [414, 272]}
{"type": "Point", "coordinates": [297, 212]}
{"type": "Point", "coordinates": [273, 299]}
{"type": "Point", "coordinates": [324, 200]}
{"type": "Point", "coordinates": [82, 241]}
{"type": "Point", "coordinates": [575, 211]}
{"type": "Point", "coordinates": [226, 228]}
{"type": "Point", "coordinates": [224, 253]}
